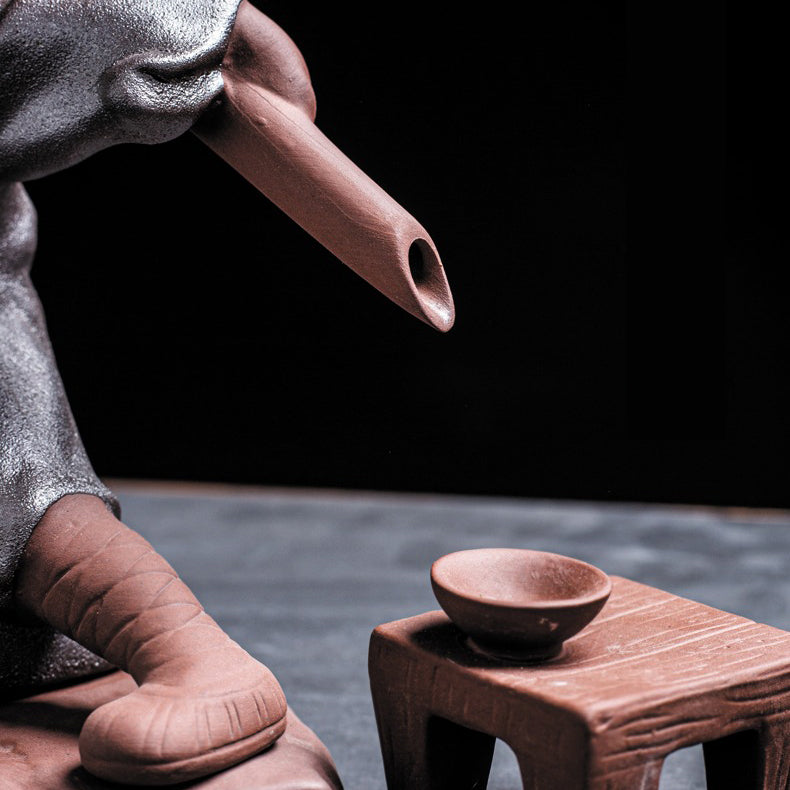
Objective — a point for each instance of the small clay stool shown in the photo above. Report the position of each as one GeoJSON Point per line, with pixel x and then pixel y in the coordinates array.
{"type": "Point", "coordinates": [651, 674]}
{"type": "Point", "coordinates": [38, 747]}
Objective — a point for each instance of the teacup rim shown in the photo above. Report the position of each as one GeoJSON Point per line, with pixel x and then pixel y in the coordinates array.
{"type": "Point", "coordinates": [548, 604]}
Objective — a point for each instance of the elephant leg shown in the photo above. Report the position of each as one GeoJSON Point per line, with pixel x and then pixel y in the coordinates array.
{"type": "Point", "coordinates": [203, 703]}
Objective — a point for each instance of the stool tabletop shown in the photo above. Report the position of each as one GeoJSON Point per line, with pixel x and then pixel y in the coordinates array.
{"type": "Point", "coordinates": [646, 647]}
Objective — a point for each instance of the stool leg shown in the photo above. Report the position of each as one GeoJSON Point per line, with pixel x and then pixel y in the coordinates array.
{"type": "Point", "coordinates": [425, 752]}
{"type": "Point", "coordinates": [551, 776]}
{"type": "Point", "coordinates": [775, 746]}
{"type": "Point", "coordinates": [750, 760]}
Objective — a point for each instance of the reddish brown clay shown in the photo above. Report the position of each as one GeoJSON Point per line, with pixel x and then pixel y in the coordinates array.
{"type": "Point", "coordinates": [136, 71]}
{"type": "Point", "coordinates": [264, 128]}
{"type": "Point", "coordinates": [203, 703]}
{"type": "Point", "coordinates": [651, 674]}
{"type": "Point", "coordinates": [38, 747]}
{"type": "Point", "coordinates": [518, 604]}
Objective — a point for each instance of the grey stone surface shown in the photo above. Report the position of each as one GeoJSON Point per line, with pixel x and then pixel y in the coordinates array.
{"type": "Point", "coordinates": [301, 579]}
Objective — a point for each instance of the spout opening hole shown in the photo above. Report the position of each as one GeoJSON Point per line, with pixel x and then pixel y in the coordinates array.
{"type": "Point", "coordinates": [430, 284]}
{"type": "Point", "coordinates": [418, 266]}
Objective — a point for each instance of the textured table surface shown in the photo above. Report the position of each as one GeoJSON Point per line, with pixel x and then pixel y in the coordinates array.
{"type": "Point", "coordinates": [301, 579]}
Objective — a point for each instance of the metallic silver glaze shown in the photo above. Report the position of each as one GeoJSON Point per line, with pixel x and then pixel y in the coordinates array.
{"type": "Point", "coordinates": [76, 76]}
{"type": "Point", "coordinates": [41, 455]}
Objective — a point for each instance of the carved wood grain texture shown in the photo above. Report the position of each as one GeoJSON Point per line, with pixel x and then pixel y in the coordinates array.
{"type": "Point", "coordinates": [653, 673]}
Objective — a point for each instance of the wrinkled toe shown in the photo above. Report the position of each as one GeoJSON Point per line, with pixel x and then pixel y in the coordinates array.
{"type": "Point", "coordinates": [161, 735]}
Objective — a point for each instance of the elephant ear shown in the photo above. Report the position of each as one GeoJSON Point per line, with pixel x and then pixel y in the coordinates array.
{"type": "Point", "coordinates": [264, 129]}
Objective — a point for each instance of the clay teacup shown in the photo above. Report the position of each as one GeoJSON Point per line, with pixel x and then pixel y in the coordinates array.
{"type": "Point", "coordinates": [517, 604]}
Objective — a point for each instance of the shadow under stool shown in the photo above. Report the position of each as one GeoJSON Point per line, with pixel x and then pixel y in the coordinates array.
{"type": "Point", "coordinates": [653, 673]}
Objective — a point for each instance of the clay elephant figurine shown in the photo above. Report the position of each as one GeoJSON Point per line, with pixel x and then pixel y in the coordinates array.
{"type": "Point", "coordinates": [80, 591]}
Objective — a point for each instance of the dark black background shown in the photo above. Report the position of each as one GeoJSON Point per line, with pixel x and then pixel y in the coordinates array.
{"type": "Point", "coordinates": [598, 180]}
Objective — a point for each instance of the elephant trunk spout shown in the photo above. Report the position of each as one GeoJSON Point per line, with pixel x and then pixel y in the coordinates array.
{"type": "Point", "coordinates": [264, 128]}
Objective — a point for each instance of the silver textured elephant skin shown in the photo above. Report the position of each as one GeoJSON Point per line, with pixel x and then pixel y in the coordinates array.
{"type": "Point", "coordinates": [76, 76]}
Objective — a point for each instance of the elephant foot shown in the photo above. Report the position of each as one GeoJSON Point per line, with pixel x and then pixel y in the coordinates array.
{"type": "Point", "coordinates": [40, 740]}
{"type": "Point", "coordinates": [203, 703]}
